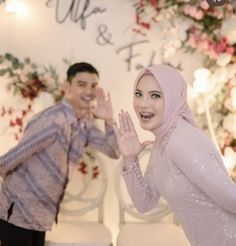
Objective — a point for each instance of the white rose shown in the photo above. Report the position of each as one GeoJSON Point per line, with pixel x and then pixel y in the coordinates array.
{"type": "Point", "coordinates": [231, 70]}
{"type": "Point", "coordinates": [229, 158]}
{"type": "Point", "coordinates": [233, 98]}
{"type": "Point", "coordinates": [221, 75]}
{"type": "Point", "coordinates": [223, 59]}
{"type": "Point", "coordinates": [169, 51]}
{"type": "Point", "coordinates": [228, 29]}
{"type": "Point", "coordinates": [43, 101]}
{"type": "Point", "coordinates": [233, 81]}
{"type": "Point", "coordinates": [229, 124]}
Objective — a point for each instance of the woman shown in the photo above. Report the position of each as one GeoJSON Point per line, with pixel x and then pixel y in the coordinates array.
{"type": "Point", "coordinates": [185, 167]}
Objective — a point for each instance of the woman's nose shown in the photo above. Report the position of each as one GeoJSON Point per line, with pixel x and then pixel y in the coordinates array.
{"type": "Point", "coordinates": [144, 102]}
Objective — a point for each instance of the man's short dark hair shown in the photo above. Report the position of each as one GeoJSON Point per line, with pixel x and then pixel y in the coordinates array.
{"type": "Point", "coordinates": [79, 68]}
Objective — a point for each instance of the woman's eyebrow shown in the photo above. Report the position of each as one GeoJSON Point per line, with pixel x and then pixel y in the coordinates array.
{"type": "Point", "coordinates": [155, 91]}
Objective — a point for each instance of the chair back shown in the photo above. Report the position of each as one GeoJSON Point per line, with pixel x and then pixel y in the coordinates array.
{"type": "Point", "coordinates": [84, 195]}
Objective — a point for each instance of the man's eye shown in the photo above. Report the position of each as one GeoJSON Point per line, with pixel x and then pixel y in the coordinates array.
{"type": "Point", "coordinates": [81, 84]}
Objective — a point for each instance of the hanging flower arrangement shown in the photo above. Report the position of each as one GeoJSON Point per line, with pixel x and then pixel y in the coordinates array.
{"type": "Point", "coordinates": [28, 81]}
{"type": "Point", "coordinates": [195, 26]}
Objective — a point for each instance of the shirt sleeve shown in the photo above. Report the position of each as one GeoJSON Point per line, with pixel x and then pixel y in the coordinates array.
{"type": "Point", "coordinates": [38, 134]}
{"type": "Point", "coordinates": [205, 170]}
{"type": "Point", "coordinates": [104, 142]}
{"type": "Point", "coordinates": [141, 188]}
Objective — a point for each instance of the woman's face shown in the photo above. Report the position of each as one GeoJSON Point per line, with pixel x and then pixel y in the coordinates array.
{"type": "Point", "coordinates": [148, 102]}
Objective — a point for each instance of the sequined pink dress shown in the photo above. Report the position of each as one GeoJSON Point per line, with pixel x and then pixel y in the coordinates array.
{"type": "Point", "coordinates": [188, 172]}
{"type": "Point", "coordinates": [186, 169]}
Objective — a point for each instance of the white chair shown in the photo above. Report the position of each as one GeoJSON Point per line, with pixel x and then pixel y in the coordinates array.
{"type": "Point", "coordinates": [157, 228]}
{"type": "Point", "coordinates": [84, 196]}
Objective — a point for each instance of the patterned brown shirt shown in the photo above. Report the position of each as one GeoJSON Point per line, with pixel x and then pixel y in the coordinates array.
{"type": "Point", "coordinates": [35, 171]}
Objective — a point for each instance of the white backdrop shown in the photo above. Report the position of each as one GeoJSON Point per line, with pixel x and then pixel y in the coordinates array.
{"type": "Point", "coordinates": [104, 42]}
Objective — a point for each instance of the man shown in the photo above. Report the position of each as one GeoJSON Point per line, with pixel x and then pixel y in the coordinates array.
{"type": "Point", "coordinates": [35, 171]}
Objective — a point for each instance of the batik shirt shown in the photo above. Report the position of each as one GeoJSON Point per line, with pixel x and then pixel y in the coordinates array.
{"type": "Point", "coordinates": [35, 172]}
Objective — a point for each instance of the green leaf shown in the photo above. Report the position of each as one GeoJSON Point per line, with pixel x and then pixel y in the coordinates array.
{"type": "Point", "coordinates": [8, 56]}
{"type": "Point", "coordinates": [3, 72]}
{"type": "Point", "coordinates": [10, 71]}
{"type": "Point", "coordinates": [27, 60]}
{"type": "Point", "coordinates": [15, 64]}
{"type": "Point", "coordinates": [66, 61]}
{"type": "Point", "coordinates": [33, 65]}
{"type": "Point", "coordinates": [21, 65]}
{"type": "Point", "coordinates": [1, 59]}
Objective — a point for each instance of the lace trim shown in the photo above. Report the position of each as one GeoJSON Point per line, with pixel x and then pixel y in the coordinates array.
{"type": "Point", "coordinates": [135, 168]}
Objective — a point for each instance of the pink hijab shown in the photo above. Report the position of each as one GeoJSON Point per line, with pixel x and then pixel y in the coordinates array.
{"type": "Point", "coordinates": [174, 89]}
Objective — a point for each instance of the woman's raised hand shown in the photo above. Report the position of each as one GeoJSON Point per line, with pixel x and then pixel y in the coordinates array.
{"type": "Point", "coordinates": [129, 144]}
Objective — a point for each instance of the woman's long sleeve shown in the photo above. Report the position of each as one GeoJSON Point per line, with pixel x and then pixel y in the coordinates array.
{"type": "Point", "coordinates": [204, 168]}
{"type": "Point", "coordinates": [141, 188]}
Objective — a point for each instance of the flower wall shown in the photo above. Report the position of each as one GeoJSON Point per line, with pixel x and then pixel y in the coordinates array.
{"type": "Point", "coordinates": [197, 28]}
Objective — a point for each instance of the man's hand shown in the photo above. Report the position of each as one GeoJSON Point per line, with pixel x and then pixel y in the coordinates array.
{"type": "Point", "coordinates": [103, 109]}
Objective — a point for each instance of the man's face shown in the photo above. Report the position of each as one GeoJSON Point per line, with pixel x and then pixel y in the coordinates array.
{"type": "Point", "coordinates": [81, 90]}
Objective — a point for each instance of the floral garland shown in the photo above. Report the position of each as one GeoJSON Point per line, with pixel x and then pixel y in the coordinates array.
{"type": "Point", "coordinates": [26, 80]}
{"type": "Point", "coordinates": [29, 79]}
{"type": "Point", "coordinates": [194, 26]}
